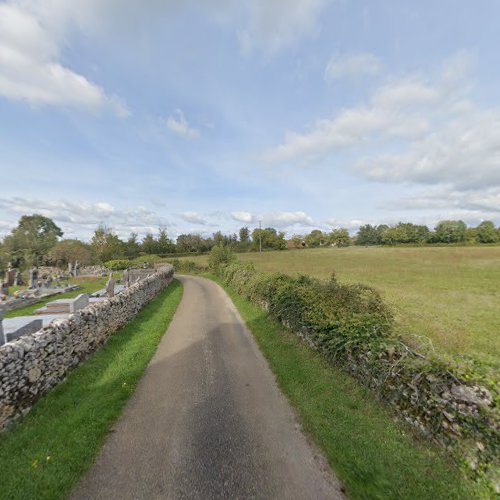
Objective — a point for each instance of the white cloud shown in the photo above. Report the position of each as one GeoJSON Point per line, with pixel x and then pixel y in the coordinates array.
{"type": "Point", "coordinates": [30, 69]}
{"type": "Point", "coordinates": [246, 217]}
{"type": "Point", "coordinates": [352, 224]}
{"type": "Point", "coordinates": [481, 203]}
{"type": "Point", "coordinates": [352, 66]}
{"type": "Point", "coordinates": [80, 219]}
{"type": "Point", "coordinates": [412, 130]}
{"type": "Point", "coordinates": [178, 124]}
{"type": "Point", "coordinates": [273, 25]}
{"type": "Point", "coordinates": [397, 110]}
{"type": "Point", "coordinates": [285, 219]}
{"type": "Point", "coordinates": [193, 218]}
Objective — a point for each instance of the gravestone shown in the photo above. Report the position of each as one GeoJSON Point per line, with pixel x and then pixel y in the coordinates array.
{"type": "Point", "coordinates": [79, 302]}
{"type": "Point", "coordinates": [13, 328]}
{"type": "Point", "coordinates": [34, 277]}
{"type": "Point", "coordinates": [110, 286]}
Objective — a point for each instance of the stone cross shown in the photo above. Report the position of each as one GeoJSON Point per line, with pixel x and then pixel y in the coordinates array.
{"type": "Point", "coordinates": [110, 286]}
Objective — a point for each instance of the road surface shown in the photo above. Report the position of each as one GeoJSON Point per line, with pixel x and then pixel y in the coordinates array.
{"type": "Point", "coordinates": [207, 419]}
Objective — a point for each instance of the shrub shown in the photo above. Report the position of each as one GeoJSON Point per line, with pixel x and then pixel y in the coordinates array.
{"type": "Point", "coordinates": [146, 259]}
{"type": "Point", "coordinates": [219, 255]}
{"type": "Point", "coordinates": [353, 328]}
{"type": "Point", "coordinates": [118, 264]}
{"type": "Point", "coordinates": [187, 266]}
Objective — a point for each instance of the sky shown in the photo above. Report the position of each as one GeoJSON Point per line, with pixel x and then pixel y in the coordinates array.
{"type": "Point", "coordinates": [209, 115]}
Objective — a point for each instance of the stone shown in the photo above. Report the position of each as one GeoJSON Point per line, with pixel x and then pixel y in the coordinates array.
{"type": "Point", "coordinates": [34, 374]}
{"type": "Point", "coordinates": [475, 395]}
{"type": "Point", "coordinates": [110, 286]}
{"type": "Point", "coordinates": [79, 302]}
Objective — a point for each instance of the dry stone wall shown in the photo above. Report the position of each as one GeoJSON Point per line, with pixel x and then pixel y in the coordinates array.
{"type": "Point", "coordinates": [33, 364]}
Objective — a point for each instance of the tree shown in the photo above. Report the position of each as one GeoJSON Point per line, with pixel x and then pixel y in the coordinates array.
{"type": "Point", "coordinates": [316, 238]}
{"type": "Point", "coordinates": [66, 251]}
{"type": "Point", "coordinates": [271, 239]}
{"type": "Point", "coordinates": [29, 243]}
{"type": "Point", "coordinates": [132, 246]}
{"type": "Point", "coordinates": [163, 243]}
{"type": "Point", "coordinates": [219, 256]}
{"type": "Point", "coordinates": [486, 232]}
{"type": "Point", "coordinates": [450, 231]}
{"type": "Point", "coordinates": [148, 244]}
{"type": "Point", "coordinates": [339, 237]}
{"type": "Point", "coordinates": [244, 234]}
{"type": "Point", "coordinates": [106, 245]}
{"type": "Point", "coordinates": [370, 235]}
{"type": "Point", "coordinates": [192, 243]}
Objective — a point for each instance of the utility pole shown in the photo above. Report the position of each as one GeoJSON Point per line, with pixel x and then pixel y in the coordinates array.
{"type": "Point", "coordinates": [260, 237]}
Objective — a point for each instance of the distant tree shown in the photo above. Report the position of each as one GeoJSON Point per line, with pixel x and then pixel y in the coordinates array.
{"type": "Point", "coordinates": [31, 240]}
{"type": "Point", "coordinates": [316, 238]}
{"type": "Point", "coordinates": [486, 232]}
{"type": "Point", "coordinates": [4, 258]}
{"type": "Point", "coordinates": [370, 235]}
{"type": "Point", "coordinates": [244, 242]}
{"type": "Point", "coordinates": [163, 243]}
{"type": "Point", "coordinates": [106, 245]}
{"type": "Point", "coordinates": [132, 246]}
{"type": "Point", "coordinates": [219, 256]}
{"type": "Point", "coordinates": [148, 244]}
{"type": "Point", "coordinates": [66, 251]}
{"type": "Point", "coordinates": [450, 231]}
{"type": "Point", "coordinates": [244, 234]}
{"type": "Point", "coordinates": [193, 243]}
{"type": "Point", "coordinates": [339, 237]}
{"type": "Point", "coordinates": [471, 236]}
{"type": "Point", "coordinates": [271, 239]}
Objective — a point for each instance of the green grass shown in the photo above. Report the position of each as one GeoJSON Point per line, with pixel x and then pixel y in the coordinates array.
{"type": "Point", "coordinates": [449, 295]}
{"type": "Point", "coordinates": [44, 455]}
{"type": "Point", "coordinates": [374, 456]}
{"type": "Point", "coordinates": [87, 285]}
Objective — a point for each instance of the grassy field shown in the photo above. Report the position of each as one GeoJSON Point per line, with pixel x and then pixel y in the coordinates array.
{"type": "Point", "coordinates": [374, 456]}
{"type": "Point", "coordinates": [87, 285]}
{"type": "Point", "coordinates": [44, 455]}
{"type": "Point", "coordinates": [450, 295]}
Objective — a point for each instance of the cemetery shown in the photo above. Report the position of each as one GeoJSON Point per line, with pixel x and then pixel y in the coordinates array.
{"type": "Point", "coordinates": [37, 351]}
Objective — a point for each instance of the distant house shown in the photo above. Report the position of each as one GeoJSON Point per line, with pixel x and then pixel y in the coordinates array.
{"type": "Point", "coordinates": [295, 243]}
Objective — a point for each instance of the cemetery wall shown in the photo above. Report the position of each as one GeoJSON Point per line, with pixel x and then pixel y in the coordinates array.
{"type": "Point", "coordinates": [33, 364]}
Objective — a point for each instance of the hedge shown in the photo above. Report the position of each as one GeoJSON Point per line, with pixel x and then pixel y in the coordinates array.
{"type": "Point", "coordinates": [352, 327]}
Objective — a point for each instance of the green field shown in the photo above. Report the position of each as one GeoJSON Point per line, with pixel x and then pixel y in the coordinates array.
{"type": "Point", "coordinates": [449, 295]}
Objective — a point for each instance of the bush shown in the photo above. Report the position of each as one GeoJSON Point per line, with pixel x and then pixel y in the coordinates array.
{"type": "Point", "coordinates": [187, 266]}
{"type": "Point", "coordinates": [219, 255]}
{"type": "Point", "coordinates": [352, 327]}
{"type": "Point", "coordinates": [146, 259]}
{"type": "Point", "coordinates": [118, 264]}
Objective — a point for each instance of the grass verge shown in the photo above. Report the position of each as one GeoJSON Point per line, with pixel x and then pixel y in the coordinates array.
{"type": "Point", "coordinates": [87, 285]}
{"type": "Point", "coordinates": [375, 456]}
{"type": "Point", "coordinates": [44, 455]}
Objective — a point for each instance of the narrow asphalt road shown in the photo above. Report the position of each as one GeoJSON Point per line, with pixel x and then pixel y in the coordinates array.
{"type": "Point", "coordinates": [207, 419]}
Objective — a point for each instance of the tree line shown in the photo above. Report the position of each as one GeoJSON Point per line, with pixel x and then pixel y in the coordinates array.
{"type": "Point", "coordinates": [37, 240]}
